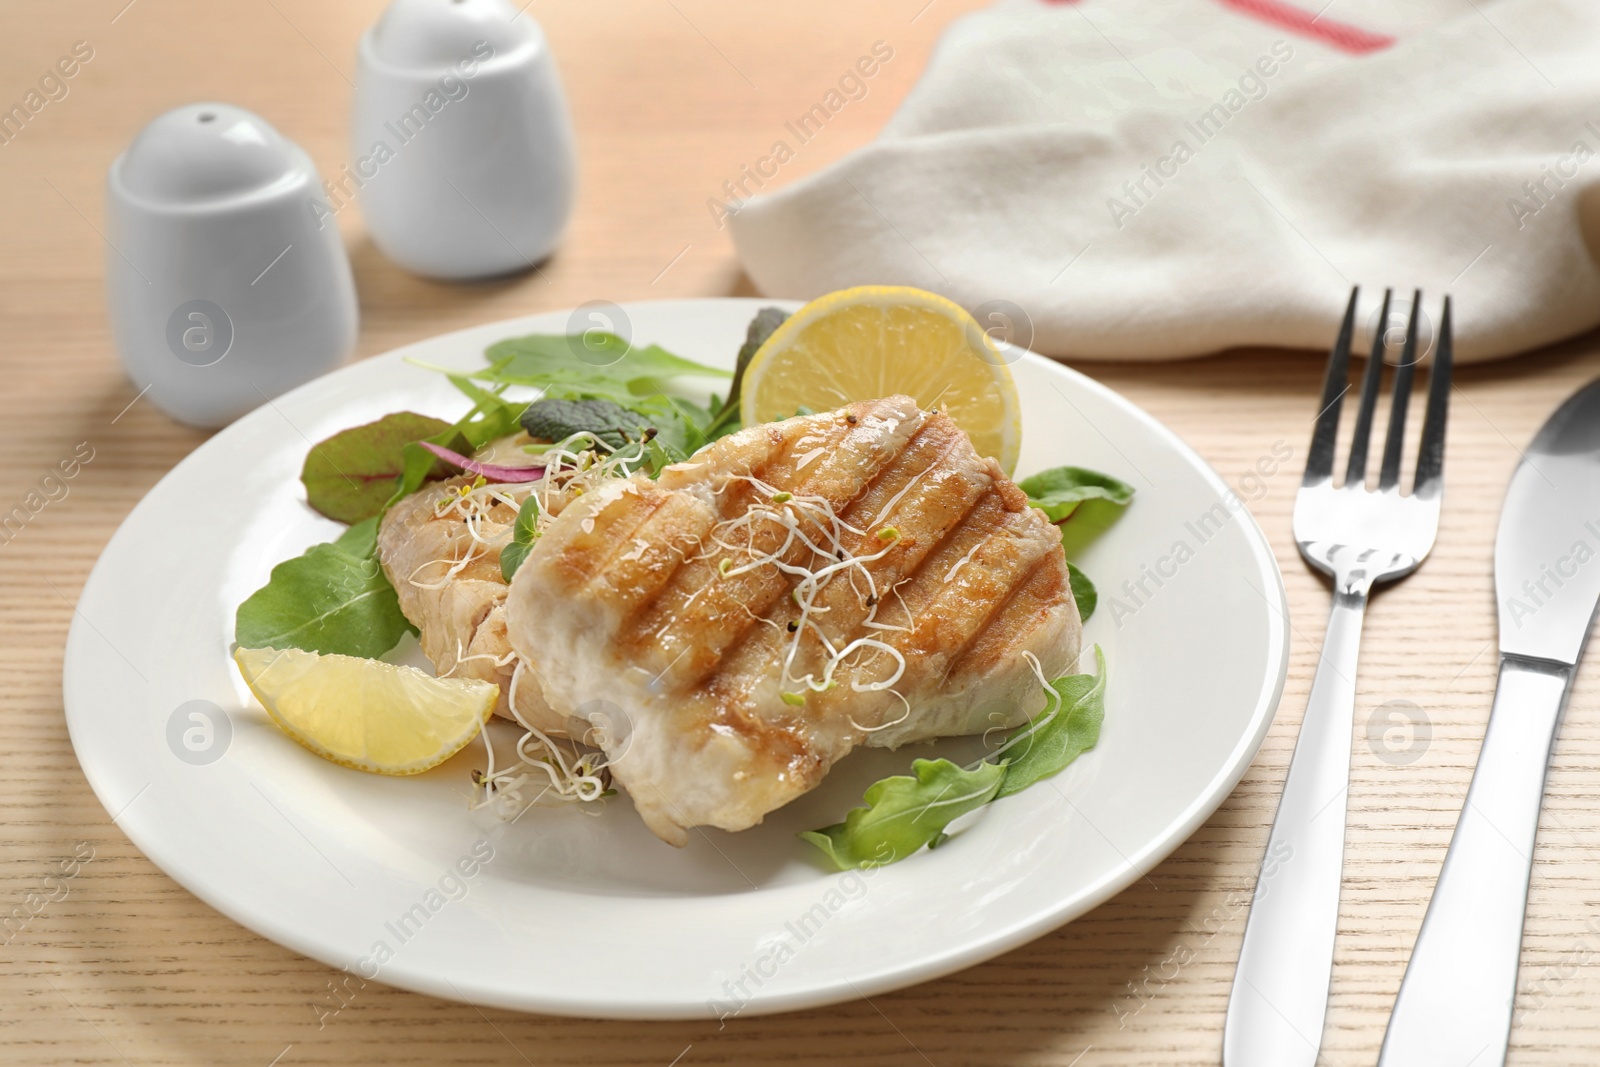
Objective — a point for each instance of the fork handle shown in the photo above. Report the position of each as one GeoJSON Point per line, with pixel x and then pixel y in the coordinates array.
{"type": "Point", "coordinates": [1455, 1004]}
{"type": "Point", "coordinates": [1280, 990]}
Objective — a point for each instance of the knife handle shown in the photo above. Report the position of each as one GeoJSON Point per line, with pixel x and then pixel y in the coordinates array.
{"type": "Point", "coordinates": [1456, 1001]}
{"type": "Point", "coordinates": [1280, 989]}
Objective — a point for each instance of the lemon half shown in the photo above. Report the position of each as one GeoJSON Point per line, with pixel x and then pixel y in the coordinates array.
{"type": "Point", "coordinates": [878, 340]}
{"type": "Point", "coordinates": [365, 713]}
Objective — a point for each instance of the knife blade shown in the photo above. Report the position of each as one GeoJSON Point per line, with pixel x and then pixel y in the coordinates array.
{"type": "Point", "coordinates": [1456, 1003]}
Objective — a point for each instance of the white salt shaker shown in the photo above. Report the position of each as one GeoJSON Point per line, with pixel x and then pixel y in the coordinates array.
{"type": "Point", "coordinates": [226, 288]}
{"type": "Point", "coordinates": [461, 142]}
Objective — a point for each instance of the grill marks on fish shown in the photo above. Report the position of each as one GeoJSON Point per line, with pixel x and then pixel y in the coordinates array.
{"type": "Point", "coordinates": [685, 621]}
{"type": "Point", "coordinates": [938, 497]}
{"type": "Point", "coordinates": [639, 604]}
{"type": "Point", "coordinates": [1027, 609]}
{"type": "Point", "coordinates": [689, 619]}
{"type": "Point", "coordinates": [607, 561]}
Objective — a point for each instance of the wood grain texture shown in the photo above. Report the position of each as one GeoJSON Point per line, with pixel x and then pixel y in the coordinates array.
{"type": "Point", "coordinates": [671, 97]}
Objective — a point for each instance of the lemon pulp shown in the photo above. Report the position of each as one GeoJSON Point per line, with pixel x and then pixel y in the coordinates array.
{"type": "Point", "coordinates": [365, 713]}
{"type": "Point", "coordinates": [879, 340]}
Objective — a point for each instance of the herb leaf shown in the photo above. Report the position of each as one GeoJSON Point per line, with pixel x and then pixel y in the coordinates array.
{"type": "Point", "coordinates": [903, 813]}
{"type": "Point", "coordinates": [595, 362]}
{"type": "Point", "coordinates": [556, 419]}
{"type": "Point", "coordinates": [349, 476]}
{"type": "Point", "coordinates": [1083, 591]}
{"type": "Point", "coordinates": [1068, 727]}
{"type": "Point", "coordinates": [1060, 490]}
{"type": "Point", "coordinates": [523, 533]}
{"type": "Point", "coordinates": [333, 599]}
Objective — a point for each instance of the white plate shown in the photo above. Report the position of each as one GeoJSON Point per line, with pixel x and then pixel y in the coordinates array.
{"type": "Point", "coordinates": [588, 914]}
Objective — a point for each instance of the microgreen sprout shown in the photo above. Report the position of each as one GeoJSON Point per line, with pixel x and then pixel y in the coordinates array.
{"type": "Point", "coordinates": [556, 768]}
{"type": "Point", "coordinates": [801, 536]}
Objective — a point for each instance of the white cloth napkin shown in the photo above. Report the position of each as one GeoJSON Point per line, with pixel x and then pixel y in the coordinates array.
{"type": "Point", "coordinates": [1150, 179]}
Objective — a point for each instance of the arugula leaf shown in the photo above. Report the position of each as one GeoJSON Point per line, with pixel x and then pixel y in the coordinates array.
{"type": "Point", "coordinates": [333, 599]}
{"type": "Point", "coordinates": [904, 813]}
{"type": "Point", "coordinates": [349, 476]}
{"type": "Point", "coordinates": [597, 362]}
{"type": "Point", "coordinates": [1083, 591]}
{"type": "Point", "coordinates": [727, 418]}
{"type": "Point", "coordinates": [523, 532]}
{"type": "Point", "coordinates": [557, 418]}
{"type": "Point", "coordinates": [1060, 490]}
{"type": "Point", "coordinates": [361, 539]}
{"type": "Point", "coordinates": [1068, 727]}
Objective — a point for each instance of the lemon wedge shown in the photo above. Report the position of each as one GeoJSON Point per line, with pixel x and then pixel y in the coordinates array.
{"type": "Point", "coordinates": [878, 340]}
{"type": "Point", "coordinates": [364, 713]}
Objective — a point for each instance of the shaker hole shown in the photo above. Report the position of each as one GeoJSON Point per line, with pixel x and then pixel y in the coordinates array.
{"type": "Point", "coordinates": [206, 116]}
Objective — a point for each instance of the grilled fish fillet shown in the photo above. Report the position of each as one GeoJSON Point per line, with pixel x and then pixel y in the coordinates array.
{"type": "Point", "coordinates": [460, 616]}
{"type": "Point", "coordinates": [870, 547]}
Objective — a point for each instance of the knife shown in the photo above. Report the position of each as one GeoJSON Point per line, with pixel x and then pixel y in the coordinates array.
{"type": "Point", "coordinates": [1455, 1004]}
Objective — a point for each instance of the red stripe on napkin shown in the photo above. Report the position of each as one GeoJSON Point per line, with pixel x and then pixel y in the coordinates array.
{"type": "Point", "coordinates": [1340, 35]}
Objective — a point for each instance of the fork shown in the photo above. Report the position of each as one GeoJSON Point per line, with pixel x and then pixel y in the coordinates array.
{"type": "Point", "coordinates": [1360, 535]}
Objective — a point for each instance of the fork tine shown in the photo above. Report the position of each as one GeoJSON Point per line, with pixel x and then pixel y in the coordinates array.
{"type": "Point", "coordinates": [1319, 460]}
{"type": "Point", "coordinates": [1430, 456]}
{"type": "Point", "coordinates": [1389, 476]}
{"type": "Point", "coordinates": [1356, 472]}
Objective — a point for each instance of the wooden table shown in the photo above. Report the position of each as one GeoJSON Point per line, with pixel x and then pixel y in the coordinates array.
{"type": "Point", "coordinates": [671, 97]}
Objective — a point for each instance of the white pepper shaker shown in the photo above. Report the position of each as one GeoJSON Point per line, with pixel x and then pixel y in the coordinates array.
{"type": "Point", "coordinates": [461, 141]}
{"type": "Point", "coordinates": [225, 287]}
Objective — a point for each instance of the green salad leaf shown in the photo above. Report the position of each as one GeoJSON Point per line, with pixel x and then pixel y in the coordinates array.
{"type": "Point", "coordinates": [351, 475]}
{"type": "Point", "coordinates": [1060, 490]}
{"type": "Point", "coordinates": [332, 599]}
{"type": "Point", "coordinates": [492, 415]}
{"type": "Point", "coordinates": [596, 362]}
{"type": "Point", "coordinates": [904, 813]}
{"type": "Point", "coordinates": [727, 418]}
{"type": "Point", "coordinates": [680, 424]}
{"type": "Point", "coordinates": [1083, 591]}
{"type": "Point", "coordinates": [1067, 728]}
{"type": "Point", "coordinates": [660, 454]}
{"type": "Point", "coordinates": [361, 539]}
{"type": "Point", "coordinates": [523, 532]}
